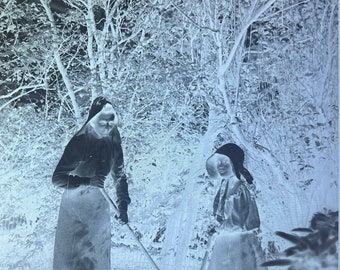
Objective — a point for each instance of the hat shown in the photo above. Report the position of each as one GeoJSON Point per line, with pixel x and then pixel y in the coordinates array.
{"type": "Point", "coordinates": [236, 155]}
{"type": "Point", "coordinates": [97, 105]}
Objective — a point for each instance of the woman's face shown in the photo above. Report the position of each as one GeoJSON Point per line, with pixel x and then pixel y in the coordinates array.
{"type": "Point", "coordinates": [224, 166]}
{"type": "Point", "coordinates": [103, 122]}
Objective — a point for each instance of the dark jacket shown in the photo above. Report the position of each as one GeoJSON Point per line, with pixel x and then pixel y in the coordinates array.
{"type": "Point", "coordinates": [86, 156]}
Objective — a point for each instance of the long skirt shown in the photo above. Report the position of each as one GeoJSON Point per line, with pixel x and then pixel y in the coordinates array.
{"type": "Point", "coordinates": [83, 235]}
{"type": "Point", "coordinates": [236, 250]}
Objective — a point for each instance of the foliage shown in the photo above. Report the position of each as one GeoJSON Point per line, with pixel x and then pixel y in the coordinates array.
{"type": "Point", "coordinates": [27, 161]}
{"type": "Point", "coordinates": [161, 64]}
{"type": "Point", "coordinates": [315, 250]}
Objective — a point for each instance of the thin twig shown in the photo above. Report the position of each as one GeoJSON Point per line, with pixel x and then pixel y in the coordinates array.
{"type": "Point", "coordinates": [191, 20]}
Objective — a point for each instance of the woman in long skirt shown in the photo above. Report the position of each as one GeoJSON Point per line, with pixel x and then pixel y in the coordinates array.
{"type": "Point", "coordinates": [83, 235]}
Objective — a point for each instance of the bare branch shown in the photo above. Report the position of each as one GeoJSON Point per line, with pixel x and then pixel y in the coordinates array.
{"type": "Point", "coordinates": [17, 97]}
{"type": "Point", "coordinates": [191, 20]}
{"type": "Point", "coordinates": [61, 67]}
{"type": "Point", "coordinates": [24, 87]}
{"type": "Point", "coordinates": [239, 38]}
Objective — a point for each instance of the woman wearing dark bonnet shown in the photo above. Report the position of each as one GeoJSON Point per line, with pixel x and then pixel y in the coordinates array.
{"type": "Point", "coordinates": [236, 245]}
{"type": "Point", "coordinates": [83, 236]}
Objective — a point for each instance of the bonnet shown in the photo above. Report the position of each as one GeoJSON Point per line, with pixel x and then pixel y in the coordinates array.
{"type": "Point", "coordinates": [97, 105]}
{"type": "Point", "coordinates": [236, 155]}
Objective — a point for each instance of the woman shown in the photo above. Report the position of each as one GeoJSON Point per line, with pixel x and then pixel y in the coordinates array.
{"type": "Point", "coordinates": [83, 236]}
{"type": "Point", "coordinates": [236, 245]}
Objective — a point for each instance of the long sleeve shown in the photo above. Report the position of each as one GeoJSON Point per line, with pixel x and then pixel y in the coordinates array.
{"type": "Point", "coordinates": [241, 208]}
{"type": "Point", "coordinates": [253, 217]}
{"type": "Point", "coordinates": [245, 212]}
{"type": "Point", "coordinates": [118, 173]}
{"type": "Point", "coordinates": [69, 161]}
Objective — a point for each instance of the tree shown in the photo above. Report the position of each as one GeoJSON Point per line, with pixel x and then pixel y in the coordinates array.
{"type": "Point", "coordinates": [24, 54]}
{"type": "Point", "coordinates": [184, 77]}
{"type": "Point", "coordinates": [249, 98]}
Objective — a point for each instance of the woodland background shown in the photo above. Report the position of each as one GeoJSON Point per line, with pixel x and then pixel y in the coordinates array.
{"type": "Point", "coordinates": [185, 77]}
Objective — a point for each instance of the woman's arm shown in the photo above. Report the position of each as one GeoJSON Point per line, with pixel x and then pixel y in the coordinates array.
{"type": "Point", "coordinates": [245, 212]}
{"type": "Point", "coordinates": [118, 173]}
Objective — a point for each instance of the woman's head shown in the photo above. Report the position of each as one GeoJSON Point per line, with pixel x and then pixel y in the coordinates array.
{"type": "Point", "coordinates": [224, 165]}
{"type": "Point", "coordinates": [96, 106]}
{"type": "Point", "coordinates": [102, 117]}
{"type": "Point", "coordinates": [104, 121]}
{"type": "Point", "coordinates": [232, 153]}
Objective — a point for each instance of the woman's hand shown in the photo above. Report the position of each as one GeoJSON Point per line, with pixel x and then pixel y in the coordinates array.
{"type": "Point", "coordinates": [97, 181]}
